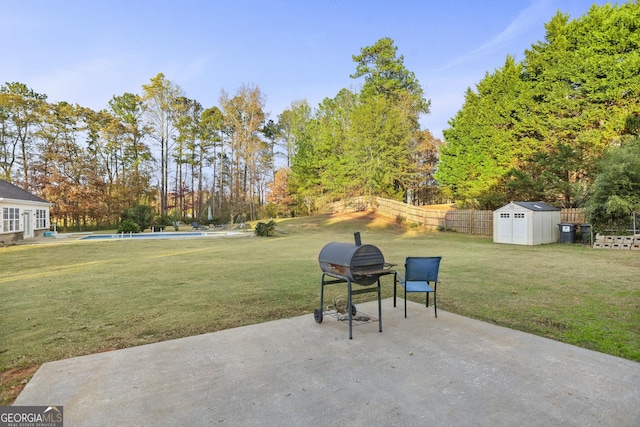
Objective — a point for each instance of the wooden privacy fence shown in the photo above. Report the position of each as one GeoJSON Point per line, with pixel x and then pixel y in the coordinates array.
{"type": "Point", "coordinates": [466, 221]}
{"type": "Point", "coordinates": [573, 216]}
{"type": "Point", "coordinates": [470, 222]}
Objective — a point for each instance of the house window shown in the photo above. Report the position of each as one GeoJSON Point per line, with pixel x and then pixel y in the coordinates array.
{"type": "Point", "coordinates": [41, 218]}
{"type": "Point", "coordinates": [11, 219]}
{"type": "Point", "coordinates": [504, 215]}
{"type": "Point", "coordinates": [518, 215]}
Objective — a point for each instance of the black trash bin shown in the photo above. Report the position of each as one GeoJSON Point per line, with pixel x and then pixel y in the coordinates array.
{"type": "Point", "coordinates": [585, 230]}
{"type": "Point", "coordinates": [567, 233]}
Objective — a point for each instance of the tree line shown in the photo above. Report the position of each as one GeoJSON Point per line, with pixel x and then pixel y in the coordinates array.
{"type": "Point", "coordinates": [164, 150]}
{"type": "Point", "coordinates": [158, 148]}
{"type": "Point", "coordinates": [537, 129]}
{"type": "Point", "coordinates": [561, 126]}
{"type": "Point", "coordinates": [546, 128]}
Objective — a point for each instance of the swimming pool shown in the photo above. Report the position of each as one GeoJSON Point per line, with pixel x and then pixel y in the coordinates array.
{"type": "Point", "coordinates": [162, 235]}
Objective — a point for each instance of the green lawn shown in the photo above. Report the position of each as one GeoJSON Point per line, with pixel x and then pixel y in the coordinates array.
{"type": "Point", "coordinates": [72, 298]}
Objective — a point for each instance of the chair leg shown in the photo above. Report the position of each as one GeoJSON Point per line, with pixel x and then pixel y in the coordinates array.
{"type": "Point", "coordinates": [435, 307]}
{"type": "Point", "coordinates": [405, 303]}
{"type": "Point", "coordinates": [395, 282]}
{"type": "Point", "coordinates": [379, 306]}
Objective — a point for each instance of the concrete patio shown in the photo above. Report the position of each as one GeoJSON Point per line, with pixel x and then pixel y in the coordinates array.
{"type": "Point", "coordinates": [449, 371]}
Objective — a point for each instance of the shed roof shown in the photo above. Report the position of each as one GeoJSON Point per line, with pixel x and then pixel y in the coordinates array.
{"type": "Point", "coordinates": [537, 206]}
{"type": "Point", "coordinates": [10, 191]}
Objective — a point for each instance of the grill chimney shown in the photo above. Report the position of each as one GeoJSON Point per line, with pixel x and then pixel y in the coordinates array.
{"type": "Point", "coordinates": [356, 237]}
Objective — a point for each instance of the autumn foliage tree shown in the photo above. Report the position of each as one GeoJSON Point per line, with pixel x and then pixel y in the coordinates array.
{"type": "Point", "coordinates": [279, 194]}
{"type": "Point", "coordinates": [244, 118]}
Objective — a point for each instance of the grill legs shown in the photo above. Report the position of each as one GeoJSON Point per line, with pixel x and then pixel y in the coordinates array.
{"type": "Point", "coordinates": [317, 313]}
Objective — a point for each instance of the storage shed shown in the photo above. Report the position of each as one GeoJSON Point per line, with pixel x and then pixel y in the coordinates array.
{"type": "Point", "coordinates": [526, 223]}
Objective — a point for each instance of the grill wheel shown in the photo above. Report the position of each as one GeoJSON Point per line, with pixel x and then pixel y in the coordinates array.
{"type": "Point", "coordinates": [317, 313]}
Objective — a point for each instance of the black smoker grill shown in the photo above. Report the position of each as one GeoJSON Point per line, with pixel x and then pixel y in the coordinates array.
{"type": "Point", "coordinates": [352, 263]}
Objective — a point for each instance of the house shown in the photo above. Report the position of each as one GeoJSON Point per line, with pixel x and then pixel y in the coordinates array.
{"type": "Point", "coordinates": [526, 223]}
{"type": "Point", "coordinates": [23, 215]}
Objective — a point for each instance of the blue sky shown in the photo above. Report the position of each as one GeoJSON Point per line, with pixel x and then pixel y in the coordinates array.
{"type": "Point", "coordinates": [86, 51]}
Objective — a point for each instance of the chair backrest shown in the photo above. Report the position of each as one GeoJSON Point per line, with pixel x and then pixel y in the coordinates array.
{"type": "Point", "coordinates": [422, 268]}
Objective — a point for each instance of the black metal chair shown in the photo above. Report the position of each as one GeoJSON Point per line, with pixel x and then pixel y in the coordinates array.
{"type": "Point", "coordinates": [420, 275]}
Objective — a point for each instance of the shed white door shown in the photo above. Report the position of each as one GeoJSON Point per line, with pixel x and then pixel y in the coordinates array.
{"type": "Point", "coordinates": [519, 228]}
{"type": "Point", "coordinates": [504, 228]}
